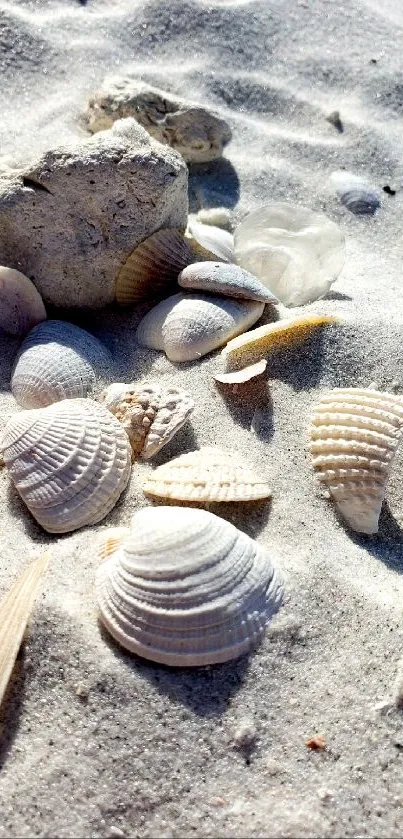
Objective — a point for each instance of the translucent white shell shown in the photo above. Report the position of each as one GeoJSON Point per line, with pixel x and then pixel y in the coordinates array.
{"type": "Point", "coordinates": [209, 474]}
{"type": "Point", "coordinates": [153, 266]}
{"type": "Point", "coordinates": [355, 193]}
{"type": "Point", "coordinates": [186, 588]}
{"type": "Point", "coordinates": [188, 326]}
{"type": "Point", "coordinates": [222, 278]}
{"type": "Point", "coordinates": [150, 413]}
{"type": "Point", "coordinates": [58, 360]}
{"type": "Point", "coordinates": [69, 462]}
{"type": "Point", "coordinates": [210, 242]}
{"type": "Point", "coordinates": [354, 437]}
{"type": "Point", "coordinates": [294, 252]}
{"type": "Point", "coordinates": [21, 305]}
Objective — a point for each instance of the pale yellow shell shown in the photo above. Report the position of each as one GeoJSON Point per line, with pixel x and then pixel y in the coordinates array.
{"type": "Point", "coordinates": [209, 474]}
{"type": "Point", "coordinates": [354, 437]}
{"type": "Point", "coordinates": [237, 377]}
{"type": "Point", "coordinates": [282, 333]}
{"type": "Point", "coordinates": [153, 266]}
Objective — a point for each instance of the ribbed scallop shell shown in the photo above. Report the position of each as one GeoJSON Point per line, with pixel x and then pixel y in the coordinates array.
{"type": "Point", "coordinates": [354, 437]}
{"type": "Point", "coordinates": [355, 193]}
{"type": "Point", "coordinates": [188, 326]}
{"type": "Point", "coordinates": [295, 253]}
{"type": "Point", "coordinates": [58, 360]}
{"type": "Point", "coordinates": [209, 474]}
{"type": "Point", "coordinates": [282, 333]}
{"type": "Point", "coordinates": [226, 279]}
{"type": "Point", "coordinates": [69, 462]}
{"type": "Point", "coordinates": [150, 413]}
{"type": "Point", "coordinates": [210, 242]}
{"type": "Point", "coordinates": [187, 588]}
{"type": "Point", "coordinates": [21, 305]}
{"type": "Point", "coordinates": [153, 266]}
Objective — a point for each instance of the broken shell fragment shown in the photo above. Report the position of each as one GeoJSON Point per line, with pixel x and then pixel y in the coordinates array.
{"type": "Point", "coordinates": [21, 305]}
{"type": "Point", "coordinates": [210, 242]}
{"type": "Point", "coordinates": [150, 413]}
{"type": "Point", "coordinates": [207, 475]}
{"type": "Point", "coordinates": [218, 217]}
{"type": "Point", "coordinates": [58, 360]}
{"type": "Point", "coordinates": [355, 193]}
{"type": "Point", "coordinates": [237, 377]}
{"type": "Point", "coordinates": [186, 588]}
{"type": "Point", "coordinates": [69, 462]}
{"type": "Point", "coordinates": [354, 437]}
{"type": "Point", "coordinates": [153, 266]}
{"type": "Point", "coordinates": [188, 326]}
{"type": "Point", "coordinates": [226, 279]}
{"type": "Point", "coordinates": [282, 333]}
{"type": "Point", "coordinates": [296, 253]}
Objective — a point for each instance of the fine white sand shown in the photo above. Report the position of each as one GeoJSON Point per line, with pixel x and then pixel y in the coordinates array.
{"type": "Point", "coordinates": [95, 742]}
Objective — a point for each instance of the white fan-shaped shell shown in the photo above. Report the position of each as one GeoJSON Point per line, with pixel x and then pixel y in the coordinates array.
{"type": "Point", "coordinates": [187, 588]}
{"type": "Point", "coordinates": [208, 474]}
{"type": "Point", "coordinates": [58, 360]}
{"type": "Point", "coordinates": [224, 278]}
{"type": "Point", "coordinates": [69, 462]}
{"type": "Point", "coordinates": [21, 305]}
{"type": "Point", "coordinates": [294, 252]}
{"type": "Point", "coordinates": [355, 193]}
{"type": "Point", "coordinates": [188, 326]}
{"type": "Point", "coordinates": [210, 241]}
{"type": "Point", "coordinates": [354, 437]}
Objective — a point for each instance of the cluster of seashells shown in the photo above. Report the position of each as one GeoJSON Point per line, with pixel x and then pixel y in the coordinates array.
{"type": "Point", "coordinates": [182, 586]}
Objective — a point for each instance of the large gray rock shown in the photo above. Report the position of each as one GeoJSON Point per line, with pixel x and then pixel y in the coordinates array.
{"type": "Point", "coordinates": [70, 220]}
{"type": "Point", "coordinates": [197, 133]}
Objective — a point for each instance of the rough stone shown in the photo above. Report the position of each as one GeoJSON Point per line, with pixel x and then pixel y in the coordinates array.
{"type": "Point", "coordinates": [197, 133]}
{"type": "Point", "coordinates": [73, 217]}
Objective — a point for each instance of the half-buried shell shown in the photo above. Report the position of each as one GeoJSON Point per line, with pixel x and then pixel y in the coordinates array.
{"type": "Point", "coordinates": [69, 462]}
{"type": "Point", "coordinates": [153, 266]}
{"type": "Point", "coordinates": [354, 437]}
{"type": "Point", "coordinates": [186, 588]}
{"type": "Point", "coordinates": [282, 333]}
{"type": "Point", "coordinates": [245, 374]}
{"type": "Point", "coordinates": [21, 305]}
{"type": "Point", "coordinates": [355, 193]}
{"type": "Point", "coordinates": [207, 475]}
{"type": "Point", "coordinates": [227, 279]}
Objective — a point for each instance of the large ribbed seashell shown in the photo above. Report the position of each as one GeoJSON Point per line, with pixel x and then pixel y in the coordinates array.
{"type": "Point", "coordinates": [21, 305]}
{"type": "Point", "coordinates": [151, 413]}
{"type": "Point", "coordinates": [188, 326]}
{"type": "Point", "coordinates": [209, 474]}
{"type": "Point", "coordinates": [355, 193]}
{"type": "Point", "coordinates": [153, 266]}
{"type": "Point", "coordinates": [282, 333]}
{"type": "Point", "coordinates": [58, 360]}
{"type": "Point", "coordinates": [69, 462]}
{"type": "Point", "coordinates": [354, 437]}
{"type": "Point", "coordinates": [227, 279]}
{"type": "Point", "coordinates": [295, 253]}
{"type": "Point", "coordinates": [210, 242]}
{"type": "Point", "coordinates": [186, 588]}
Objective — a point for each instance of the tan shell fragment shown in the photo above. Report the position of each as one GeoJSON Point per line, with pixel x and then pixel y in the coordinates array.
{"type": "Point", "coordinates": [209, 474]}
{"type": "Point", "coordinates": [354, 437]}
{"type": "Point", "coordinates": [237, 377]}
{"type": "Point", "coordinates": [150, 413]}
{"type": "Point", "coordinates": [153, 266]}
{"type": "Point", "coordinates": [21, 305]}
{"type": "Point", "coordinates": [282, 333]}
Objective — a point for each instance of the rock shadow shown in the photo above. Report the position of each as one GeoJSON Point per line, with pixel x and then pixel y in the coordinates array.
{"type": "Point", "coordinates": [214, 184]}
{"type": "Point", "coordinates": [11, 707]}
{"type": "Point", "coordinates": [8, 350]}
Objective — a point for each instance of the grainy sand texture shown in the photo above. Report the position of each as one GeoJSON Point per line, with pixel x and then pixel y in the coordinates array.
{"type": "Point", "coordinates": [95, 742]}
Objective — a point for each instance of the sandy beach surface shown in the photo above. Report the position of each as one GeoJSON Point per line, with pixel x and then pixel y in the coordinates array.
{"type": "Point", "coordinates": [98, 743]}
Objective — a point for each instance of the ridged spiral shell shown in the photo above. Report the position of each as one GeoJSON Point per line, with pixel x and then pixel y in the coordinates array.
{"type": "Point", "coordinates": [21, 305]}
{"type": "Point", "coordinates": [186, 588]}
{"type": "Point", "coordinates": [58, 360]}
{"type": "Point", "coordinates": [354, 437]}
{"type": "Point", "coordinates": [69, 462]}
{"type": "Point", "coordinates": [355, 193]}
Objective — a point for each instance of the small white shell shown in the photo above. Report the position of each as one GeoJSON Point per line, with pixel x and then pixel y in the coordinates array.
{"type": "Point", "coordinates": [296, 253]}
{"type": "Point", "coordinates": [209, 474]}
{"type": "Point", "coordinates": [354, 438]}
{"type": "Point", "coordinates": [21, 305]}
{"type": "Point", "coordinates": [237, 377]}
{"type": "Point", "coordinates": [150, 413]}
{"type": "Point", "coordinates": [188, 326]}
{"type": "Point", "coordinates": [58, 360]}
{"type": "Point", "coordinates": [355, 193]}
{"type": "Point", "coordinates": [210, 242]}
{"type": "Point", "coordinates": [187, 588]}
{"type": "Point", "coordinates": [218, 217]}
{"type": "Point", "coordinates": [69, 462]}
{"type": "Point", "coordinates": [222, 278]}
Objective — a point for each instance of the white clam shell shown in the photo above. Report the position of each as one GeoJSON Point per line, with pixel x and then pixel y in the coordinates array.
{"type": "Point", "coordinates": [58, 360]}
{"type": "Point", "coordinates": [245, 374]}
{"type": "Point", "coordinates": [355, 193]}
{"type": "Point", "coordinates": [294, 252]}
{"type": "Point", "coordinates": [210, 242]}
{"type": "Point", "coordinates": [151, 413]}
{"type": "Point", "coordinates": [187, 588]}
{"type": "Point", "coordinates": [354, 437]}
{"type": "Point", "coordinates": [227, 279]}
{"type": "Point", "coordinates": [21, 305]}
{"type": "Point", "coordinates": [188, 326]}
{"type": "Point", "coordinates": [206, 475]}
{"type": "Point", "coordinates": [69, 462]}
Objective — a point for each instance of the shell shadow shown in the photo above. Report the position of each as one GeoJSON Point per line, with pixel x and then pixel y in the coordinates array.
{"type": "Point", "coordinates": [185, 440]}
{"type": "Point", "coordinates": [8, 350]}
{"type": "Point", "coordinates": [214, 184]}
{"type": "Point", "coordinates": [299, 366]}
{"type": "Point", "coordinates": [207, 691]}
{"type": "Point", "coordinates": [250, 405]}
{"type": "Point", "coordinates": [11, 708]}
{"type": "Point", "coordinates": [19, 511]}
{"type": "Point", "coordinates": [336, 295]}
{"type": "Point", "coordinates": [387, 544]}
{"type": "Point", "coordinates": [249, 516]}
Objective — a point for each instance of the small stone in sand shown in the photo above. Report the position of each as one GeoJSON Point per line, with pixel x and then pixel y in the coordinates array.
{"type": "Point", "coordinates": [245, 735]}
